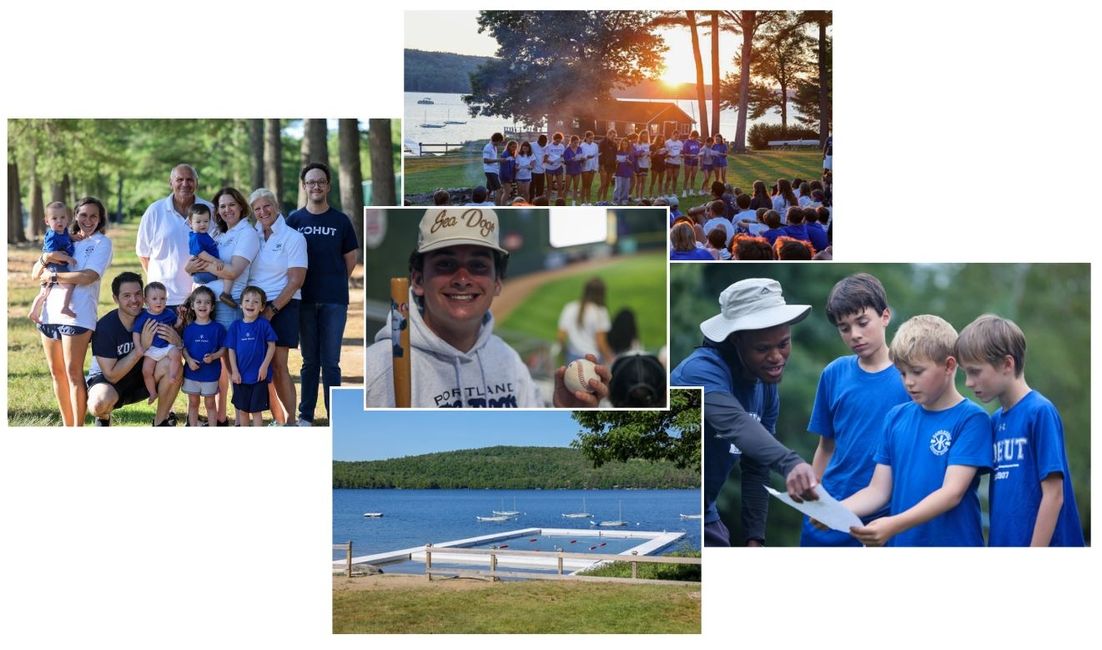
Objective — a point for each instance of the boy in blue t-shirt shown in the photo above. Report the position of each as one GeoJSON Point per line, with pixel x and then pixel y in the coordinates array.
{"type": "Point", "coordinates": [251, 345]}
{"type": "Point", "coordinates": [1031, 498]}
{"type": "Point", "coordinates": [855, 393]}
{"type": "Point", "coordinates": [933, 450]}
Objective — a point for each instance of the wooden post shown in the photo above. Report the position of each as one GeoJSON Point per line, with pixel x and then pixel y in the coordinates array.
{"type": "Point", "coordinates": [428, 561]}
{"type": "Point", "coordinates": [348, 551]}
{"type": "Point", "coordinates": [634, 567]}
{"type": "Point", "coordinates": [560, 563]}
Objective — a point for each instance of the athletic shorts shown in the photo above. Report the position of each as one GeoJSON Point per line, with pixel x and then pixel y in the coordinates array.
{"type": "Point", "coordinates": [707, 166]}
{"type": "Point", "coordinates": [251, 398]}
{"type": "Point", "coordinates": [673, 167]}
{"type": "Point", "coordinates": [554, 172]}
{"type": "Point", "coordinates": [204, 388]}
{"type": "Point", "coordinates": [286, 325]}
{"type": "Point", "coordinates": [609, 168]}
{"type": "Point", "coordinates": [641, 172]}
{"type": "Point", "coordinates": [690, 162]}
{"type": "Point", "coordinates": [574, 174]}
{"type": "Point", "coordinates": [55, 331]}
{"type": "Point", "coordinates": [131, 389]}
{"type": "Point", "coordinates": [158, 353]}
{"type": "Point", "coordinates": [720, 162]}
{"type": "Point", "coordinates": [493, 183]}
{"type": "Point", "coordinates": [507, 179]}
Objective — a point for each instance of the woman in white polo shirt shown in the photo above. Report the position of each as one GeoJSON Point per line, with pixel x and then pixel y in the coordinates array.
{"type": "Point", "coordinates": [238, 244]}
{"type": "Point", "coordinates": [279, 269]}
{"type": "Point", "coordinates": [64, 339]}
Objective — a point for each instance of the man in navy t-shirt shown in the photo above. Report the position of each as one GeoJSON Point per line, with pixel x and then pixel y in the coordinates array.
{"type": "Point", "coordinates": [331, 249]}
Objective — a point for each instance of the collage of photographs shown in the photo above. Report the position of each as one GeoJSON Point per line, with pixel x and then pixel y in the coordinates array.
{"type": "Point", "coordinates": [602, 240]}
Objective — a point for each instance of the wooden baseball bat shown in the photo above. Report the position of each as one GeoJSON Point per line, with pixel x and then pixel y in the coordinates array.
{"type": "Point", "coordinates": [399, 339]}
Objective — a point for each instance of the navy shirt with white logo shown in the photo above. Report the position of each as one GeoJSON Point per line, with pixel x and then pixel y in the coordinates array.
{"type": "Point", "coordinates": [329, 236]}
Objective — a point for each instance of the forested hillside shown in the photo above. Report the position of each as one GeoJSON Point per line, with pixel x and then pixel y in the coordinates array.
{"type": "Point", "coordinates": [439, 72]}
{"type": "Point", "coordinates": [508, 468]}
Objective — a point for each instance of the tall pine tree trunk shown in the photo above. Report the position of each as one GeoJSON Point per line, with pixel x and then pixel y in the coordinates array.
{"type": "Point", "coordinates": [315, 148]}
{"type": "Point", "coordinates": [15, 207]}
{"type": "Point", "coordinates": [748, 19]}
{"type": "Point", "coordinates": [37, 225]}
{"type": "Point", "coordinates": [256, 144]}
{"type": "Point", "coordinates": [702, 104]}
{"type": "Point", "coordinates": [273, 159]}
{"type": "Point", "coordinates": [824, 86]}
{"type": "Point", "coordinates": [383, 189]}
{"type": "Point", "coordinates": [715, 73]}
{"type": "Point", "coordinates": [351, 176]}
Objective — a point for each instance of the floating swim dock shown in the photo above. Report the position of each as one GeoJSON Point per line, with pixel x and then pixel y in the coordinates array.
{"type": "Point", "coordinates": [650, 542]}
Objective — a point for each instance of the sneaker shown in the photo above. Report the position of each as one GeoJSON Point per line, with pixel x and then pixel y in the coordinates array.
{"type": "Point", "coordinates": [684, 193]}
{"type": "Point", "coordinates": [274, 423]}
{"type": "Point", "coordinates": [171, 418]}
{"type": "Point", "coordinates": [303, 422]}
{"type": "Point", "coordinates": [100, 422]}
{"type": "Point", "coordinates": [227, 299]}
{"type": "Point", "coordinates": [169, 422]}
{"type": "Point", "coordinates": [223, 423]}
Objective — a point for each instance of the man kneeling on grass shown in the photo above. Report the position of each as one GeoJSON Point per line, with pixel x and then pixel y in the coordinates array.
{"type": "Point", "coordinates": [115, 378]}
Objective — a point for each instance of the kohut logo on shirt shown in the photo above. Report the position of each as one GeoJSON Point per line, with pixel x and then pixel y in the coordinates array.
{"type": "Point", "coordinates": [940, 442]}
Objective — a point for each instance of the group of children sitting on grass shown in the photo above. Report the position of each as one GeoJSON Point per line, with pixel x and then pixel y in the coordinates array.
{"type": "Point", "coordinates": [902, 449]}
{"type": "Point", "coordinates": [735, 225]}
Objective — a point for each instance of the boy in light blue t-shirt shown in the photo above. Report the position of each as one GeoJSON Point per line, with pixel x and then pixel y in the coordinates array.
{"type": "Point", "coordinates": [933, 451]}
{"type": "Point", "coordinates": [1031, 497]}
{"type": "Point", "coordinates": [855, 393]}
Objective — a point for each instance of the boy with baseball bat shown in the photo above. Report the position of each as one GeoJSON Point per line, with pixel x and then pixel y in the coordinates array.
{"type": "Point", "coordinates": [455, 359]}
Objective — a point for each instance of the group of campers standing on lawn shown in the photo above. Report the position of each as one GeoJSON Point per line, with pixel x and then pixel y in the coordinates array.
{"type": "Point", "coordinates": [898, 444]}
{"type": "Point", "coordinates": [560, 170]}
{"type": "Point", "coordinates": [223, 302]}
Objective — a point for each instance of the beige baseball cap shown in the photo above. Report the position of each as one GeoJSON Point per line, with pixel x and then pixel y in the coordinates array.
{"type": "Point", "coordinates": [444, 227]}
{"type": "Point", "coordinates": [752, 304]}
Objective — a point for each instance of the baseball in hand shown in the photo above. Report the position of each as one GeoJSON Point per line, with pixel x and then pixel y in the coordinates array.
{"type": "Point", "coordinates": [578, 374]}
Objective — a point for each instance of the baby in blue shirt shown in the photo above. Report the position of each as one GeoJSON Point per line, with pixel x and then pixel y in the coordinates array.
{"type": "Point", "coordinates": [202, 247]}
{"type": "Point", "coordinates": [58, 244]}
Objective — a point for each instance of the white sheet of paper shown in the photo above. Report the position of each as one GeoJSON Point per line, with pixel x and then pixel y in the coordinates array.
{"type": "Point", "coordinates": [827, 509]}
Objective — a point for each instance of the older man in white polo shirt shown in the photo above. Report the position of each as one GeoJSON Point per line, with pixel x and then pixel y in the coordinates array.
{"type": "Point", "coordinates": [162, 243]}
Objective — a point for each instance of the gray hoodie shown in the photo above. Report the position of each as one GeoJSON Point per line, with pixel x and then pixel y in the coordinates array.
{"type": "Point", "coordinates": [490, 375]}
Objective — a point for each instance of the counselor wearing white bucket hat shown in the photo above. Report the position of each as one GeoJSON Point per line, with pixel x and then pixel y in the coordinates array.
{"type": "Point", "coordinates": [742, 360]}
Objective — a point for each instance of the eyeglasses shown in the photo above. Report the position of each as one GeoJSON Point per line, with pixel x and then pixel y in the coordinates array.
{"type": "Point", "coordinates": [315, 183]}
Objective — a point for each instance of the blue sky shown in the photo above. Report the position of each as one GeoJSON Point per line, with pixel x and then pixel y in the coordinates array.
{"type": "Point", "coordinates": [375, 435]}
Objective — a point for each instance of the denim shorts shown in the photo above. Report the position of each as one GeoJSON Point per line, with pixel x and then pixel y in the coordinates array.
{"type": "Point", "coordinates": [56, 331]}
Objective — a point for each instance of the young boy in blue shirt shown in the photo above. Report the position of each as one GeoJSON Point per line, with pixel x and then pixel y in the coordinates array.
{"type": "Point", "coordinates": [855, 393]}
{"type": "Point", "coordinates": [1031, 498]}
{"type": "Point", "coordinates": [933, 451]}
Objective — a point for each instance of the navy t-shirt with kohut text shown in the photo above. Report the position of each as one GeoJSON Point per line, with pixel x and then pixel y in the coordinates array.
{"type": "Point", "coordinates": [112, 340]}
{"type": "Point", "coordinates": [328, 237]}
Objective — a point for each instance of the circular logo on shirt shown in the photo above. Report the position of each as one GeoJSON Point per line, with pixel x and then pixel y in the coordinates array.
{"type": "Point", "coordinates": [940, 442]}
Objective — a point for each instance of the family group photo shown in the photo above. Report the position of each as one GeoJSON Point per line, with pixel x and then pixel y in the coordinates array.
{"type": "Point", "coordinates": [191, 272]}
{"type": "Point", "coordinates": [679, 109]}
{"type": "Point", "coordinates": [892, 404]}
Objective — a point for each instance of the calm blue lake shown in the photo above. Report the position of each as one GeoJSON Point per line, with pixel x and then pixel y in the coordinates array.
{"type": "Point", "coordinates": [415, 517]}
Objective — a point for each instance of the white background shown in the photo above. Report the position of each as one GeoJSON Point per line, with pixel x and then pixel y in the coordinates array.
{"type": "Point", "coordinates": [965, 132]}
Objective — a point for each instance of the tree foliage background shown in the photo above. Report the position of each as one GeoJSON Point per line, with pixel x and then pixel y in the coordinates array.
{"type": "Point", "coordinates": [126, 163]}
{"type": "Point", "coordinates": [619, 436]}
{"type": "Point", "coordinates": [1050, 302]}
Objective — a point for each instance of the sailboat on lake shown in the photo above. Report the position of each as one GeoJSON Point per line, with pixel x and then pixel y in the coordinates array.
{"type": "Point", "coordinates": [616, 522]}
{"type": "Point", "coordinates": [508, 513]}
{"type": "Point", "coordinates": [578, 515]}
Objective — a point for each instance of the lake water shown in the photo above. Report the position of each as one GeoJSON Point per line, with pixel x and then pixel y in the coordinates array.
{"type": "Point", "coordinates": [415, 517]}
{"type": "Point", "coordinates": [450, 106]}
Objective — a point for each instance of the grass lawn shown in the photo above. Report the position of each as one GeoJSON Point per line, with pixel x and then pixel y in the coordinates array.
{"type": "Point", "coordinates": [30, 395]}
{"type": "Point", "coordinates": [680, 572]}
{"type": "Point", "coordinates": [464, 169]}
{"type": "Point", "coordinates": [638, 282]}
{"type": "Point", "coordinates": [528, 607]}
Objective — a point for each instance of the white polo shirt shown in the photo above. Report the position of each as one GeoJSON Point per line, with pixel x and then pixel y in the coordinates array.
{"type": "Point", "coordinates": [162, 237]}
{"type": "Point", "coordinates": [92, 254]}
{"type": "Point", "coordinates": [239, 241]}
{"type": "Point", "coordinates": [490, 151]}
{"type": "Point", "coordinates": [285, 249]}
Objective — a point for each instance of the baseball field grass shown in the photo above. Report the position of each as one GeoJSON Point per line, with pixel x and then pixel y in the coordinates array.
{"type": "Point", "coordinates": [637, 282]}
{"type": "Point", "coordinates": [31, 400]}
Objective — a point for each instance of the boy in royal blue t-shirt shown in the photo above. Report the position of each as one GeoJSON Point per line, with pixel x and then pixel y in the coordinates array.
{"type": "Point", "coordinates": [251, 345]}
{"type": "Point", "coordinates": [933, 451]}
{"type": "Point", "coordinates": [855, 393]}
{"type": "Point", "coordinates": [1031, 497]}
